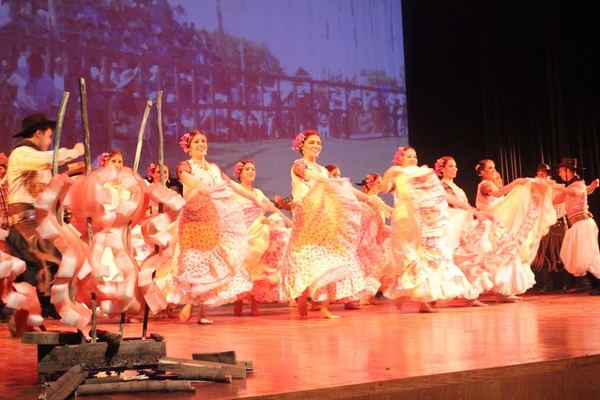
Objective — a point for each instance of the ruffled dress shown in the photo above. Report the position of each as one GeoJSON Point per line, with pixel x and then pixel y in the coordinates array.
{"type": "Point", "coordinates": [213, 242]}
{"type": "Point", "coordinates": [506, 246]}
{"type": "Point", "coordinates": [425, 272]}
{"type": "Point", "coordinates": [267, 241]}
{"type": "Point", "coordinates": [322, 251]}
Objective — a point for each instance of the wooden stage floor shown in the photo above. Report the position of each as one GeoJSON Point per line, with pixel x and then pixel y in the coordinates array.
{"type": "Point", "coordinates": [369, 351]}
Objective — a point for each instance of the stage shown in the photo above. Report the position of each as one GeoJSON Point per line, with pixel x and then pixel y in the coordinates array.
{"type": "Point", "coordinates": [543, 347]}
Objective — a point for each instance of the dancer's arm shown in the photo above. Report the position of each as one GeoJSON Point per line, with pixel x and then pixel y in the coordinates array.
{"type": "Point", "coordinates": [184, 173]}
{"type": "Point", "coordinates": [593, 186]}
{"type": "Point", "coordinates": [488, 190]}
{"type": "Point", "coordinates": [301, 170]}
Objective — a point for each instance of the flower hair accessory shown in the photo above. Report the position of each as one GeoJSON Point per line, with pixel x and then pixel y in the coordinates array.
{"type": "Point", "coordinates": [102, 159]}
{"type": "Point", "coordinates": [237, 169]}
{"type": "Point", "coordinates": [440, 164]}
{"type": "Point", "coordinates": [150, 173]}
{"type": "Point", "coordinates": [369, 181]}
{"type": "Point", "coordinates": [297, 143]}
{"type": "Point", "coordinates": [184, 142]}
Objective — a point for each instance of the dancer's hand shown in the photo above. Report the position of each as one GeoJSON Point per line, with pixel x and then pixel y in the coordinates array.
{"type": "Point", "coordinates": [79, 148]}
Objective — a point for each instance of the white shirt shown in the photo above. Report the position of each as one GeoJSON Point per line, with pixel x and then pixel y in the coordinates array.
{"type": "Point", "coordinates": [29, 171]}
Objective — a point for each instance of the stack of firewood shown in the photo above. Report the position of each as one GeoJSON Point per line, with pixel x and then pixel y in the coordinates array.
{"type": "Point", "coordinates": [114, 365]}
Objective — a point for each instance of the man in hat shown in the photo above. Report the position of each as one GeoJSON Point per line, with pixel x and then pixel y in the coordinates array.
{"type": "Point", "coordinates": [579, 251]}
{"type": "Point", "coordinates": [29, 171]}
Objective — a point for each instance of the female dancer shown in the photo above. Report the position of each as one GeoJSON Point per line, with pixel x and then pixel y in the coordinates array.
{"type": "Point", "coordinates": [113, 158]}
{"type": "Point", "coordinates": [489, 190]}
{"type": "Point", "coordinates": [321, 260]}
{"type": "Point", "coordinates": [460, 221]}
{"type": "Point", "coordinates": [522, 212]}
{"type": "Point", "coordinates": [213, 238]}
{"type": "Point", "coordinates": [267, 238]}
{"type": "Point", "coordinates": [424, 272]}
{"type": "Point", "coordinates": [375, 245]}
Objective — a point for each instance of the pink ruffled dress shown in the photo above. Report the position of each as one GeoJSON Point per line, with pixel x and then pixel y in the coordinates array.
{"type": "Point", "coordinates": [213, 242]}
{"type": "Point", "coordinates": [322, 251]}
{"type": "Point", "coordinates": [267, 241]}
{"type": "Point", "coordinates": [506, 246]}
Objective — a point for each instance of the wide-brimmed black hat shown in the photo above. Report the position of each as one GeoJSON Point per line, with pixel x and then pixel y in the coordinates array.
{"type": "Point", "coordinates": [32, 123]}
{"type": "Point", "coordinates": [571, 163]}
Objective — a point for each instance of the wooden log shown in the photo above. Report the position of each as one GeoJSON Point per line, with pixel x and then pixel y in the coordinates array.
{"type": "Point", "coordinates": [181, 365]}
{"type": "Point", "coordinates": [157, 337]}
{"type": "Point", "coordinates": [189, 369]}
{"type": "Point", "coordinates": [92, 356]}
{"type": "Point", "coordinates": [65, 385]}
{"type": "Point", "coordinates": [135, 386]}
{"type": "Point", "coordinates": [249, 365]}
{"type": "Point", "coordinates": [227, 357]}
{"type": "Point", "coordinates": [106, 379]}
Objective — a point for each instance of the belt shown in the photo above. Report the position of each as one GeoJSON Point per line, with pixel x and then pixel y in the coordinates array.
{"type": "Point", "coordinates": [580, 216]}
{"type": "Point", "coordinates": [20, 212]}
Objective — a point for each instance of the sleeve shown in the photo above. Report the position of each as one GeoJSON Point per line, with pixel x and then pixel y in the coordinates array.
{"type": "Point", "coordinates": [299, 168]}
{"type": "Point", "coordinates": [30, 158]}
{"type": "Point", "coordinates": [486, 188]}
{"type": "Point", "coordinates": [182, 167]}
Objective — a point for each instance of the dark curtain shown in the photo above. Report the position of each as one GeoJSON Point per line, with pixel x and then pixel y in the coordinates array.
{"type": "Point", "coordinates": [517, 82]}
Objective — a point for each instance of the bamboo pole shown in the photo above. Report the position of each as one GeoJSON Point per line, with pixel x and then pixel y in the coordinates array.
{"type": "Point", "coordinates": [138, 149]}
{"type": "Point", "coordinates": [161, 163]}
{"type": "Point", "coordinates": [85, 126]}
{"type": "Point", "coordinates": [59, 125]}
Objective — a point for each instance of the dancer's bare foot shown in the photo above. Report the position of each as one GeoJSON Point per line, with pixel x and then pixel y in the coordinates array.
{"type": "Point", "coordinates": [302, 306]}
{"type": "Point", "coordinates": [477, 303]}
{"type": "Point", "coordinates": [399, 302]}
{"type": "Point", "coordinates": [514, 297]}
{"type": "Point", "coordinates": [237, 308]}
{"type": "Point", "coordinates": [254, 308]}
{"type": "Point", "coordinates": [374, 301]}
{"type": "Point", "coordinates": [314, 305]}
{"type": "Point", "coordinates": [501, 298]}
{"type": "Point", "coordinates": [426, 307]}
{"type": "Point", "coordinates": [327, 314]}
{"type": "Point", "coordinates": [351, 305]}
{"type": "Point", "coordinates": [186, 312]}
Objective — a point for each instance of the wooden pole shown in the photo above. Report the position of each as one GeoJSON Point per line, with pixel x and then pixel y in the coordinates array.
{"type": "Point", "coordinates": [161, 141]}
{"type": "Point", "coordinates": [85, 126]}
{"type": "Point", "coordinates": [161, 163]}
{"type": "Point", "coordinates": [57, 135]}
{"type": "Point", "coordinates": [138, 149]}
{"type": "Point", "coordinates": [59, 125]}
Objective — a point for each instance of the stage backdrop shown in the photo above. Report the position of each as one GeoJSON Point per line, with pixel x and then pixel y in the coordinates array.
{"type": "Point", "coordinates": [249, 73]}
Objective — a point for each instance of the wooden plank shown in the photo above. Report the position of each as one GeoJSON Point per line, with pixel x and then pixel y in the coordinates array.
{"type": "Point", "coordinates": [49, 338]}
{"type": "Point", "coordinates": [249, 365]}
{"type": "Point", "coordinates": [92, 356]}
{"type": "Point", "coordinates": [201, 370]}
{"type": "Point", "coordinates": [66, 384]}
{"type": "Point", "coordinates": [136, 386]}
{"type": "Point", "coordinates": [40, 337]}
{"type": "Point", "coordinates": [227, 357]}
